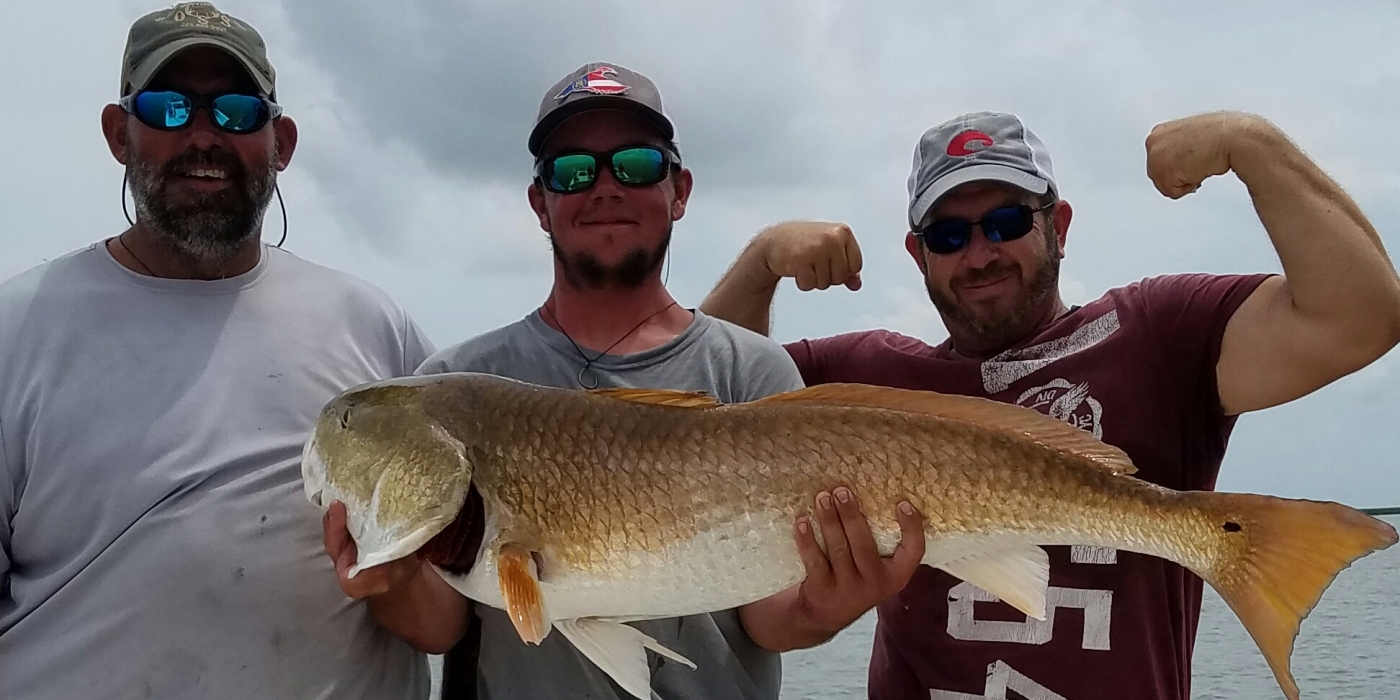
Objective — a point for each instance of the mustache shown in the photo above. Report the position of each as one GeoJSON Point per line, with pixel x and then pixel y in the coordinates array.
{"type": "Point", "coordinates": [216, 157]}
{"type": "Point", "coordinates": [986, 274]}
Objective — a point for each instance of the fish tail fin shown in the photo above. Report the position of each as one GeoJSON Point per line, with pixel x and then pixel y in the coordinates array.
{"type": "Point", "coordinates": [1274, 557]}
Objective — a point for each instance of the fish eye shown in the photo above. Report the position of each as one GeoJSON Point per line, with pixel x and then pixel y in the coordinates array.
{"type": "Point", "coordinates": [345, 419]}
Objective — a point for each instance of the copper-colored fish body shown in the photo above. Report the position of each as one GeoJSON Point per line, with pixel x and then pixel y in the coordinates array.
{"type": "Point", "coordinates": [647, 504]}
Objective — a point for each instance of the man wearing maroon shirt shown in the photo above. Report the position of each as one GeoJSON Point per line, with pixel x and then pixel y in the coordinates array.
{"type": "Point", "coordinates": [1160, 368]}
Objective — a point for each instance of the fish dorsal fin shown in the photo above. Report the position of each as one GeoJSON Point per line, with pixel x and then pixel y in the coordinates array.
{"type": "Point", "coordinates": [661, 397]}
{"type": "Point", "coordinates": [1048, 431]}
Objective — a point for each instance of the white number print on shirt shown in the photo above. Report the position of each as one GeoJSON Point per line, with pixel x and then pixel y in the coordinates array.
{"type": "Point", "coordinates": [1072, 403]}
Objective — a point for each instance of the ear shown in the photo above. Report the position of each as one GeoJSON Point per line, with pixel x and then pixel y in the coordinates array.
{"type": "Point", "coordinates": [1062, 215]}
{"type": "Point", "coordinates": [684, 182]}
{"type": "Point", "coordinates": [916, 251]}
{"type": "Point", "coordinates": [537, 203]}
{"type": "Point", "coordinates": [285, 131]}
{"type": "Point", "coordinates": [114, 130]}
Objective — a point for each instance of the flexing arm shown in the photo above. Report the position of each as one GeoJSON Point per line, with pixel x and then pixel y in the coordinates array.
{"type": "Point", "coordinates": [818, 255]}
{"type": "Point", "coordinates": [1337, 308]}
{"type": "Point", "coordinates": [406, 597]}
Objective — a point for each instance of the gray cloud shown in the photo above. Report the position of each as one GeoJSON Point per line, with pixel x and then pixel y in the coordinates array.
{"type": "Point", "coordinates": [412, 164]}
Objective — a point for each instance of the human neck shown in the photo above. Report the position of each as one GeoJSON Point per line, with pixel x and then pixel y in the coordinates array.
{"type": "Point", "coordinates": [970, 346]}
{"type": "Point", "coordinates": [144, 252]}
{"type": "Point", "coordinates": [618, 321]}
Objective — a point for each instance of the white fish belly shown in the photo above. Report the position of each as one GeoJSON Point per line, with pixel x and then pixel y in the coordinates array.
{"type": "Point", "coordinates": [721, 568]}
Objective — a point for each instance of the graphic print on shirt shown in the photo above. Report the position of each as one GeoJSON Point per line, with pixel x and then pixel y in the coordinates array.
{"type": "Point", "coordinates": [1001, 371]}
{"type": "Point", "coordinates": [1072, 403]}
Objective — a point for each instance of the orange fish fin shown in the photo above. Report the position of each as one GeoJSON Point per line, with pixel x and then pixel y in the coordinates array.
{"type": "Point", "coordinates": [1051, 432]}
{"type": "Point", "coordinates": [1016, 571]}
{"type": "Point", "coordinates": [520, 586]}
{"type": "Point", "coordinates": [1278, 556]}
{"type": "Point", "coordinates": [661, 397]}
{"type": "Point", "coordinates": [619, 650]}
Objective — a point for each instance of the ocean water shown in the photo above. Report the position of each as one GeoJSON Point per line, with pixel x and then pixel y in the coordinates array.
{"type": "Point", "coordinates": [1349, 647]}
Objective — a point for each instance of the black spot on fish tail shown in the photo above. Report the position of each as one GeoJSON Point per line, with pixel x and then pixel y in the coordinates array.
{"type": "Point", "coordinates": [1232, 527]}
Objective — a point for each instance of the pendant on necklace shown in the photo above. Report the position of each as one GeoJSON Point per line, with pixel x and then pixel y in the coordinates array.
{"type": "Point", "coordinates": [585, 383]}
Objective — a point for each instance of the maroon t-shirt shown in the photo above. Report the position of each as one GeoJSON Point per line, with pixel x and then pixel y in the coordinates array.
{"type": "Point", "coordinates": [1135, 368]}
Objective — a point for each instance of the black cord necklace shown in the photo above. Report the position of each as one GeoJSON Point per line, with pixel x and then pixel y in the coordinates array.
{"type": "Point", "coordinates": [143, 265]}
{"type": "Point", "coordinates": [588, 362]}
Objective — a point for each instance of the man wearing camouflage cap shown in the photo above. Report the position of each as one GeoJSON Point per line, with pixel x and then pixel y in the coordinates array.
{"type": "Point", "coordinates": [1161, 368]}
{"type": "Point", "coordinates": [608, 188]}
{"type": "Point", "coordinates": [157, 389]}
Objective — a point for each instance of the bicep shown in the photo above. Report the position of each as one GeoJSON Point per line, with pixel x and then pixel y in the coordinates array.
{"type": "Point", "coordinates": [1271, 354]}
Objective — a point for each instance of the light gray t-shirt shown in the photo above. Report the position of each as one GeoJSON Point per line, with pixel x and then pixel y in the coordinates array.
{"type": "Point", "coordinates": [155, 539]}
{"type": "Point", "coordinates": [728, 362]}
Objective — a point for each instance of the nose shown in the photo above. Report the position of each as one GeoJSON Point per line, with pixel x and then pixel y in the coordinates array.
{"type": "Point", "coordinates": [607, 186]}
{"type": "Point", "coordinates": [203, 134]}
{"type": "Point", "coordinates": [980, 250]}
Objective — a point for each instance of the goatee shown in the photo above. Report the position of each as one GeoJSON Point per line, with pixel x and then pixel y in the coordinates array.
{"type": "Point", "coordinates": [209, 226]}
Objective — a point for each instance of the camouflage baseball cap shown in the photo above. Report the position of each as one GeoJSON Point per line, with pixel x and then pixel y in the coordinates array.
{"type": "Point", "coordinates": [599, 86]}
{"type": "Point", "coordinates": [158, 36]}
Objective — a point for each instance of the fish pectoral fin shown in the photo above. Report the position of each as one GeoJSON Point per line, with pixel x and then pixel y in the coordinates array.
{"type": "Point", "coordinates": [619, 650]}
{"type": "Point", "coordinates": [661, 397]}
{"type": "Point", "coordinates": [1018, 573]}
{"type": "Point", "coordinates": [520, 586]}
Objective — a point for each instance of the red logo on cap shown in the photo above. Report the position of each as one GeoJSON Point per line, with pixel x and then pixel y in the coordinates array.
{"type": "Point", "coordinates": [968, 143]}
{"type": "Point", "coordinates": [596, 81]}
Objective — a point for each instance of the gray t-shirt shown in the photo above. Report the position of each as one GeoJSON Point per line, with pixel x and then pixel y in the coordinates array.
{"type": "Point", "coordinates": [155, 539]}
{"type": "Point", "coordinates": [714, 356]}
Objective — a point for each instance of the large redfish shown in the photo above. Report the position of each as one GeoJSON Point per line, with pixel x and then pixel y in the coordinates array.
{"type": "Point", "coordinates": [615, 505]}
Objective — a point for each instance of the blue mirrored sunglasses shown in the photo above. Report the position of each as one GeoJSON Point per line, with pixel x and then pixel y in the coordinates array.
{"type": "Point", "coordinates": [169, 110]}
{"type": "Point", "coordinates": [949, 235]}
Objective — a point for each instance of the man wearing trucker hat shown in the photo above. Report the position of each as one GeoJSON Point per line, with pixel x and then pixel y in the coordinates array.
{"type": "Point", "coordinates": [1160, 368]}
{"type": "Point", "coordinates": [608, 188]}
{"type": "Point", "coordinates": [156, 392]}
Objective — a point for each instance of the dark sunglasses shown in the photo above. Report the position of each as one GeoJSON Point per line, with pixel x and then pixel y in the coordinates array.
{"type": "Point", "coordinates": [946, 236]}
{"type": "Point", "coordinates": [169, 110]}
{"type": "Point", "coordinates": [633, 166]}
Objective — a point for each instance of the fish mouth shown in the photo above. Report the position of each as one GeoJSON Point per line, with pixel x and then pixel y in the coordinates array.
{"type": "Point", "coordinates": [313, 471]}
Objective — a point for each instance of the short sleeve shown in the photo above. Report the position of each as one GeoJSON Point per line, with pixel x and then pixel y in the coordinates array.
{"type": "Point", "coordinates": [7, 513]}
{"type": "Point", "coordinates": [770, 372]}
{"type": "Point", "coordinates": [821, 359]}
{"type": "Point", "coordinates": [1187, 316]}
{"type": "Point", "coordinates": [417, 348]}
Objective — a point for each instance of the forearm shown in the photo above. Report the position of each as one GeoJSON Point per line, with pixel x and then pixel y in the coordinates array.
{"type": "Point", "coordinates": [425, 612]}
{"type": "Point", "coordinates": [780, 623]}
{"type": "Point", "coordinates": [1338, 274]}
{"type": "Point", "coordinates": [744, 296]}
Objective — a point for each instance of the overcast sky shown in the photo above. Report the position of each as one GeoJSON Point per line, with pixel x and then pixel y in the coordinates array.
{"type": "Point", "coordinates": [412, 166]}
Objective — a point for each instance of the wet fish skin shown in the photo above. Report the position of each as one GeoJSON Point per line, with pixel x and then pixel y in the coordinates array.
{"type": "Point", "coordinates": [612, 505]}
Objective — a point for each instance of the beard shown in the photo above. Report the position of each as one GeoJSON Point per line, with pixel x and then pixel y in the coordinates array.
{"type": "Point", "coordinates": [586, 271]}
{"type": "Point", "coordinates": [995, 328]}
{"type": "Point", "coordinates": [209, 226]}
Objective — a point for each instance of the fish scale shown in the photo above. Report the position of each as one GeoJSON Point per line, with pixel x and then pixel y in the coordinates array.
{"type": "Point", "coordinates": [628, 504]}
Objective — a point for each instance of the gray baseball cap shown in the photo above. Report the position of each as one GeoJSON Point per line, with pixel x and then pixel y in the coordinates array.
{"type": "Point", "coordinates": [158, 36]}
{"type": "Point", "coordinates": [974, 147]}
{"type": "Point", "coordinates": [599, 86]}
